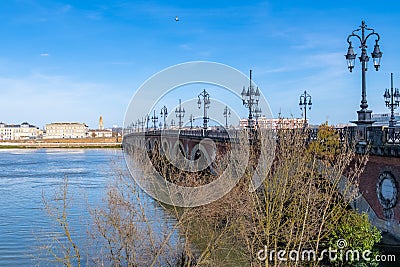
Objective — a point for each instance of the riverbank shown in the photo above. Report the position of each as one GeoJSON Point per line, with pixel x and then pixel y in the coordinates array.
{"type": "Point", "coordinates": [64, 143]}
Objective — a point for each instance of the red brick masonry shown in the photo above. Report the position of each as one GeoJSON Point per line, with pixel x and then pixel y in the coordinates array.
{"type": "Point", "coordinates": [369, 180]}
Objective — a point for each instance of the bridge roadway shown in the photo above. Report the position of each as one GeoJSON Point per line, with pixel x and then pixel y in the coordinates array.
{"type": "Point", "coordinates": [378, 184]}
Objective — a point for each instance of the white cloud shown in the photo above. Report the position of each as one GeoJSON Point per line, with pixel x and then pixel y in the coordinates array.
{"type": "Point", "coordinates": [65, 8]}
{"type": "Point", "coordinates": [186, 47]}
{"type": "Point", "coordinates": [40, 99]}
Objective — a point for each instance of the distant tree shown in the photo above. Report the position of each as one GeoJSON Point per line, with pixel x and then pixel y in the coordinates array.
{"type": "Point", "coordinates": [327, 146]}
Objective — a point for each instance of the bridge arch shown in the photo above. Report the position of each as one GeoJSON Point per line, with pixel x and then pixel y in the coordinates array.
{"type": "Point", "coordinates": [199, 151]}
{"type": "Point", "coordinates": [178, 148]}
{"type": "Point", "coordinates": [156, 146]}
{"type": "Point", "coordinates": [149, 145]}
{"type": "Point", "coordinates": [165, 147]}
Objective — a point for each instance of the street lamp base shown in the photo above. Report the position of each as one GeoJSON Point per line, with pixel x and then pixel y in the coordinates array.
{"type": "Point", "coordinates": [364, 121]}
{"type": "Point", "coordinates": [364, 118]}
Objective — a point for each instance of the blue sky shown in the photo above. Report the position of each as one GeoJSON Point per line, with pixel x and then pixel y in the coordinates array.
{"type": "Point", "coordinates": [77, 60]}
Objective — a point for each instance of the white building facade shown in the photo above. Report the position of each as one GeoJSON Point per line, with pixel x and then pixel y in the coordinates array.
{"type": "Point", "coordinates": [23, 131]}
{"type": "Point", "coordinates": [275, 123]}
{"type": "Point", "coordinates": [66, 130]}
{"type": "Point", "coordinates": [100, 133]}
{"type": "Point", "coordinates": [383, 119]}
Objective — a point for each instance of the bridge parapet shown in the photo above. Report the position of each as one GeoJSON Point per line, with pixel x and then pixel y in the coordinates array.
{"type": "Point", "coordinates": [380, 141]}
{"type": "Point", "coordinates": [216, 135]}
{"type": "Point", "coordinates": [376, 140]}
{"type": "Point", "coordinates": [346, 134]}
{"type": "Point", "coordinates": [392, 136]}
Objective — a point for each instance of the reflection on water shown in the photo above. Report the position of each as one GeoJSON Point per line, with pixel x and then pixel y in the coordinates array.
{"type": "Point", "coordinates": [25, 174]}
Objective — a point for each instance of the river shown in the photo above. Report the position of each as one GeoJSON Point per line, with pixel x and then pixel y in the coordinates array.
{"type": "Point", "coordinates": [26, 175]}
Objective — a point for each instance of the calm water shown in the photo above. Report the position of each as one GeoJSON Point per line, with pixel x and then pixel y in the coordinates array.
{"type": "Point", "coordinates": [26, 174]}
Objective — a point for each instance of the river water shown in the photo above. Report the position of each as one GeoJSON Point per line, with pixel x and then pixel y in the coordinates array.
{"type": "Point", "coordinates": [26, 175]}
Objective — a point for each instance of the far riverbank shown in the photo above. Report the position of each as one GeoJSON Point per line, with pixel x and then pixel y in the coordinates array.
{"type": "Point", "coordinates": [64, 143]}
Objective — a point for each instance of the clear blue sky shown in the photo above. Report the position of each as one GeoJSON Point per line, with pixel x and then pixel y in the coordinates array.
{"type": "Point", "coordinates": [77, 60]}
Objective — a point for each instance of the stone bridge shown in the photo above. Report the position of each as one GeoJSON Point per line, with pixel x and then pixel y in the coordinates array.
{"type": "Point", "coordinates": [191, 144]}
{"type": "Point", "coordinates": [378, 184]}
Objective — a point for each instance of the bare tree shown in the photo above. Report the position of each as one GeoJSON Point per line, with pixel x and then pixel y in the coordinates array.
{"type": "Point", "coordinates": [300, 202]}
{"type": "Point", "coordinates": [64, 252]}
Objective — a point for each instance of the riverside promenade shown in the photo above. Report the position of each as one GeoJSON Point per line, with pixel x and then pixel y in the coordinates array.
{"type": "Point", "coordinates": [112, 142]}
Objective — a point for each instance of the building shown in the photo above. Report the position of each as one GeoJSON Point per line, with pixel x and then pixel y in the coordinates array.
{"type": "Point", "coordinates": [100, 133]}
{"type": "Point", "coordinates": [23, 131]}
{"type": "Point", "coordinates": [101, 124]}
{"type": "Point", "coordinates": [383, 119]}
{"type": "Point", "coordinates": [275, 123]}
{"type": "Point", "coordinates": [66, 130]}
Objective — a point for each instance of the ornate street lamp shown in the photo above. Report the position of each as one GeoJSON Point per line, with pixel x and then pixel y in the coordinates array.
{"type": "Point", "coordinates": [180, 113]}
{"type": "Point", "coordinates": [154, 119]}
{"type": "Point", "coordinates": [250, 100]}
{"type": "Point", "coordinates": [172, 123]}
{"type": "Point", "coordinates": [164, 113]}
{"type": "Point", "coordinates": [392, 100]}
{"type": "Point", "coordinates": [191, 120]}
{"type": "Point", "coordinates": [147, 119]}
{"type": "Point", "coordinates": [257, 114]}
{"type": "Point", "coordinates": [227, 113]}
{"type": "Point", "coordinates": [142, 124]}
{"type": "Point", "coordinates": [364, 115]}
{"type": "Point", "coordinates": [305, 100]}
{"type": "Point", "coordinates": [206, 104]}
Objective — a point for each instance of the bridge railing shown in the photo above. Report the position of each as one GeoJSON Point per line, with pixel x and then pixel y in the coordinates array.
{"type": "Point", "coordinates": [379, 136]}
{"type": "Point", "coordinates": [376, 136]}
{"type": "Point", "coordinates": [375, 140]}
{"type": "Point", "coordinates": [392, 136]}
{"type": "Point", "coordinates": [197, 133]}
{"type": "Point", "coordinates": [346, 134]}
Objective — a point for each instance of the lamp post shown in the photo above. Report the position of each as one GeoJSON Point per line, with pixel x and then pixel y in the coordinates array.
{"type": "Point", "coordinates": [227, 113]}
{"type": "Point", "coordinates": [142, 124]}
{"type": "Point", "coordinates": [154, 119]}
{"type": "Point", "coordinates": [164, 113]}
{"type": "Point", "coordinates": [147, 119]}
{"type": "Point", "coordinates": [191, 119]}
{"type": "Point", "coordinates": [250, 100]}
{"type": "Point", "coordinates": [206, 104]}
{"type": "Point", "coordinates": [130, 128]}
{"type": "Point", "coordinates": [257, 114]}
{"type": "Point", "coordinates": [392, 101]}
{"type": "Point", "coordinates": [364, 115]}
{"type": "Point", "coordinates": [180, 113]}
{"type": "Point", "coordinates": [305, 100]}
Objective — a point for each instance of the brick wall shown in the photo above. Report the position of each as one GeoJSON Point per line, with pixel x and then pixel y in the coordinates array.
{"type": "Point", "coordinates": [369, 180]}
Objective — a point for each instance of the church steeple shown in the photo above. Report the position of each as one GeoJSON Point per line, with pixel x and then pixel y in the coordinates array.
{"type": "Point", "coordinates": [101, 126]}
